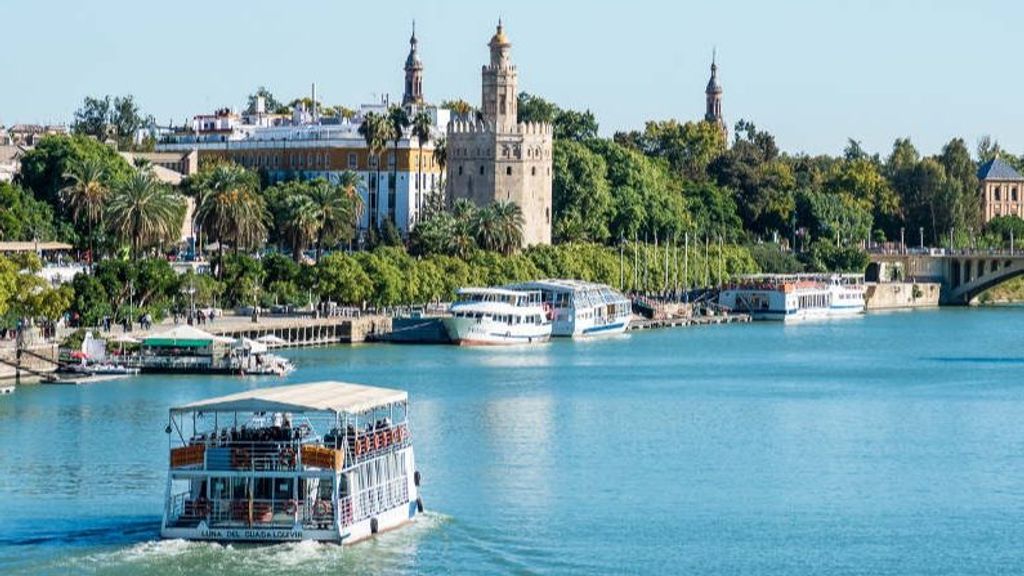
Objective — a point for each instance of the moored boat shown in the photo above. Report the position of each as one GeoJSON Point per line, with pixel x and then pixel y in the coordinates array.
{"type": "Point", "coordinates": [497, 316]}
{"type": "Point", "coordinates": [326, 461]}
{"type": "Point", "coordinates": [795, 297]}
{"type": "Point", "coordinates": [582, 309]}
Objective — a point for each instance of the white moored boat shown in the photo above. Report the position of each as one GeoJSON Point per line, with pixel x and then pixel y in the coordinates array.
{"type": "Point", "coordinates": [582, 309]}
{"type": "Point", "coordinates": [497, 316]}
{"type": "Point", "coordinates": [793, 298]}
{"type": "Point", "coordinates": [326, 461]}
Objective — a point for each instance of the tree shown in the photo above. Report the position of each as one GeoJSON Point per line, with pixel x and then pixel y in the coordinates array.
{"type": "Point", "coordinates": [688, 148]}
{"type": "Point", "coordinates": [272, 104]}
{"type": "Point", "coordinates": [231, 209]}
{"type": "Point", "coordinates": [43, 168]}
{"type": "Point", "coordinates": [421, 124]}
{"type": "Point", "coordinates": [576, 126]}
{"type": "Point", "coordinates": [581, 199]}
{"type": "Point", "coordinates": [339, 278]}
{"type": "Point", "coordinates": [22, 217]}
{"type": "Point", "coordinates": [463, 111]}
{"type": "Point", "coordinates": [436, 203]}
{"type": "Point", "coordinates": [375, 130]}
{"type": "Point", "coordinates": [398, 120]}
{"type": "Point", "coordinates": [86, 194]}
{"type": "Point", "coordinates": [111, 117]}
{"type": "Point", "coordinates": [144, 212]}
{"type": "Point", "coordinates": [536, 109]}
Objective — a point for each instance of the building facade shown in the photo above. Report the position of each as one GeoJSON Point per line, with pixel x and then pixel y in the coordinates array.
{"type": "Point", "coordinates": [308, 146]}
{"type": "Point", "coordinates": [1002, 188]}
{"type": "Point", "coordinates": [497, 158]}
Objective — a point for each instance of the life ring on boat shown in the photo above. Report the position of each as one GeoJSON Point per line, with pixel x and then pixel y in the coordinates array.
{"type": "Point", "coordinates": [396, 435]}
{"type": "Point", "coordinates": [323, 507]}
{"type": "Point", "coordinates": [287, 457]}
{"type": "Point", "coordinates": [291, 507]}
{"type": "Point", "coordinates": [358, 446]}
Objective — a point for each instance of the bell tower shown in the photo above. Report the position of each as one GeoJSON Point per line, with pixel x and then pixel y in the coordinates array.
{"type": "Point", "coordinates": [499, 84]}
{"type": "Point", "coordinates": [413, 73]}
{"type": "Point", "coordinates": [713, 99]}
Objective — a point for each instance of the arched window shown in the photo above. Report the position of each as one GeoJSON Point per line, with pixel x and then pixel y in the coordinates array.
{"type": "Point", "coordinates": [460, 170]}
{"type": "Point", "coordinates": [998, 193]}
{"type": "Point", "coordinates": [533, 171]}
{"type": "Point", "coordinates": [508, 170]}
{"type": "Point", "coordinates": [481, 169]}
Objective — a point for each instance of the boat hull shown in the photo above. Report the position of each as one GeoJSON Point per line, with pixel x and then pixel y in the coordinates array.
{"type": "Point", "coordinates": [481, 332]}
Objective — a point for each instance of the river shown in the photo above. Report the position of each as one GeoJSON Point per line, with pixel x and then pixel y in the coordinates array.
{"type": "Point", "coordinates": [888, 444]}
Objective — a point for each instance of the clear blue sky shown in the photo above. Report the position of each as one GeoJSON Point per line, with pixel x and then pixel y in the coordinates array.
{"type": "Point", "coordinates": [812, 72]}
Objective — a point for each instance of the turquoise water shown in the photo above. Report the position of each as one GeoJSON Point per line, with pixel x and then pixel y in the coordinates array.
{"type": "Point", "coordinates": [890, 444]}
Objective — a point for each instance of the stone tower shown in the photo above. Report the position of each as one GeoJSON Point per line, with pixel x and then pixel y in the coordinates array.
{"type": "Point", "coordinates": [413, 73]}
{"type": "Point", "coordinates": [499, 159]}
{"type": "Point", "coordinates": [713, 99]}
{"type": "Point", "coordinates": [499, 100]}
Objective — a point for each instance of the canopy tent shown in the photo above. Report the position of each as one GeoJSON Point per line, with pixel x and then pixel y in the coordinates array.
{"type": "Point", "coordinates": [125, 339]}
{"type": "Point", "coordinates": [252, 346]}
{"type": "Point", "coordinates": [184, 337]}
{"type": "Point", "coordinates": [337, 397]}
{"type": "Point", "coordinates": [271, 339]}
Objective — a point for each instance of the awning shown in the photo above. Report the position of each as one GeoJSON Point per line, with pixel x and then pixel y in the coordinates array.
{"type": "Point", "coordinates": [182, 336]}
{"type": "Point", "coordinates": [337, 397]}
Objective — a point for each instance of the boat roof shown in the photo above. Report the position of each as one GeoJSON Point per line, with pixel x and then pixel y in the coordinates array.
{"type": "Point", "coordinates": [561, 284]}
{"type": "Point", "coordinates": [337, 397]}
{"type": "Point", "coordinates": [501, 291]}
{"type": "Point", "coordinates": [184, 336]}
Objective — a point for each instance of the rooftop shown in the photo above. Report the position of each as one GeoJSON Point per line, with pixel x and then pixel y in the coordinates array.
{"type": "Point", "coordinates": [337, 397]}
{"type": "Point", "coordinates": [997, 169]}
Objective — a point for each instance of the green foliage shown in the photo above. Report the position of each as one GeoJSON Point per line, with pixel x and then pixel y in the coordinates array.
{"type": "Point", "coordinates": [24, 218]}
{"type": "Point", "coordinates": [688, 148]}
{"type": "Point", "coordinates": [8, 284]}
{"type": "Point", "coordinates": [771, 259]}
{"type": "Point", "coordinates": [836, 216]}
{"type": "Point", "coordinates": [44, 167]}
{"type": "Point", "coordinates": [116, 117]}
{"type": "Point", "coordinates": [91, 302]}
{"type": "Point", "coordinates": [567, 124]}
{"type": "Point", "coordinates": [581, 199]}
{"type": "Point", "coordinates": [340, 278]}
{"type": "Point", "coordinates": [825, 256]}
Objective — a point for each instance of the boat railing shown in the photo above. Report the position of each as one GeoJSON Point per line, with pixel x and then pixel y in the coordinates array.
{"type": "Point", "coordinates": [263, 456]}
{"type": "Point", "coordinates": [383, 496]}
{"type": "Point", "coordinates": [365, 445]}
{"type": "Point", "coordinates": [220, 512]}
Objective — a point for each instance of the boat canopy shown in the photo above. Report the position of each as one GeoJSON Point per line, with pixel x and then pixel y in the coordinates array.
{"type": "Point", "coordinates": [184, 337]}
{"type": "Point", "coordinates": [494, 291]}
{"type": "Point", "coordinates": [336, 397]}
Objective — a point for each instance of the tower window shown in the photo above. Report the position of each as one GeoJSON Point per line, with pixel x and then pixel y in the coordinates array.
{"type": "Point", "coordinates": [508, 170]}
{"type": "Point", "coordinates": [460, 170]}
{"type": "Point", "coordinates": [1013, 193]}
{"type": "Point", "coordinates": [533, 171]}
{"type": "Point", "coordinates": [481, 169]}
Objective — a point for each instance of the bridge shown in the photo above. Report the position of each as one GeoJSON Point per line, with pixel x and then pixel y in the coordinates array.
{"type": "Point", "coordinates": [963, 275]}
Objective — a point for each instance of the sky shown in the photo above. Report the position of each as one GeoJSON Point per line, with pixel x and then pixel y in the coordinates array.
{"type": "Point", "coordinates": [813, 73]}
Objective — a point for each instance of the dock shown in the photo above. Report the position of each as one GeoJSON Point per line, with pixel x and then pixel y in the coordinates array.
{"type": "Point", "coordinates": [647, 323]}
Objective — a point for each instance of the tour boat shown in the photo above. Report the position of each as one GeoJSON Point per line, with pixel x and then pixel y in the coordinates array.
{"type": "Point", "coordinates": [793, 298]}
{"type": "Point", "coordinates": [582, 309]}
{"type": "Point", "coordinates": [326, 461]}
{"type": "Point", "coordinates": [497, 316]}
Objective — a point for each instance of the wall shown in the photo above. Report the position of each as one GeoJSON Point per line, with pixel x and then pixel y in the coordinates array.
{"type": "Point", "coordinates": [894, 295]}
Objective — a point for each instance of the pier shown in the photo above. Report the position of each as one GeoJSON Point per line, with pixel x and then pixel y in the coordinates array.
{"type": "Point", "coordinates": [303, 331]}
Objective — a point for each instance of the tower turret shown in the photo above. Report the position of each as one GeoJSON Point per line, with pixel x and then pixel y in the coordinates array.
{"type": "Point", "coordinates": [413, 73]}
{"type": "Point", "coordinates": [499, 103]}
{"type": "Point", "coordinates": [713, 99]}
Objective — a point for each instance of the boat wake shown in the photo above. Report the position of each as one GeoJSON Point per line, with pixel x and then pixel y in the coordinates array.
{"type": "Point", "coordinates": [390, 552]}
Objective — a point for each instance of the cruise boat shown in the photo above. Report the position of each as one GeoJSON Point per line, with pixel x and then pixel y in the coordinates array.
{"type": "Point", "coordinates": [793, 298]}
{"type": "Point", "coordinates": [497, 316]}
{"type": "Point", "coordinates": [327, 461]}
{"type": "Point", "coordinates": [582, 309]}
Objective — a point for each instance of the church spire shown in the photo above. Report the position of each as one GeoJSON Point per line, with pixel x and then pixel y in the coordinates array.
{"type": "Point", "coordinates": [413, 72]}
{"type": "Point", "coordinates": [713, 97]}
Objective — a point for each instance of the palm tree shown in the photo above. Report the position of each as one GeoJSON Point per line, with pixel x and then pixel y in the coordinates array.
{"type": "Point", "coordinates": [441, 157]}
{"type": "Point", "coordinates": [487, 229]}
{"type": "Point", "coordinates": [375, 130]}
{"type": "Point", "coordinates": [421, 124]}
{"type": "Point", "coordinates": [86, 194]}
{"type": "Point", "coordinates": [508, 217]}
{"type": "Point", "coordinates": [144, 212]}
{"type": "Point", "coordinates": [301, 222]}
{"type": "Point", "coordinates": [398, 118]}
{"type": "Point", "coordinates": [231, 207]}
{"type": "Point", "coordinates": [335, 212]}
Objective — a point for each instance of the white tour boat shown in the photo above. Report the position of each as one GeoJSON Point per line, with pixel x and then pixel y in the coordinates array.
{"type": "Point", "coordinates": [582, 309]}
{"type": "Point", "coordinates": [793, 298]}
{"type": "Point", "coordinates": [325, 461]}
{"type": "Point", "coordinates": [496, 316]}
